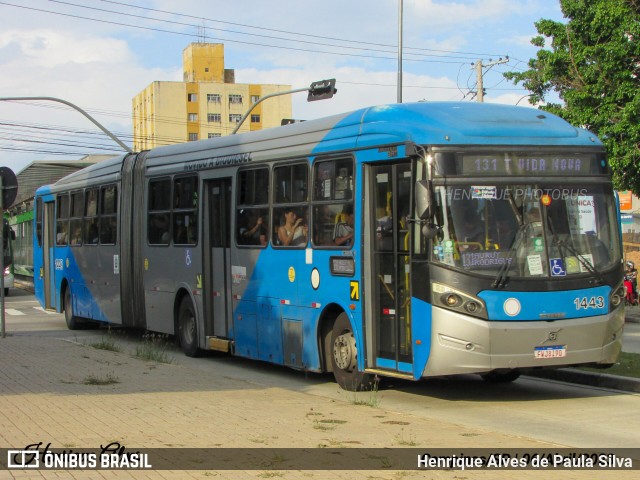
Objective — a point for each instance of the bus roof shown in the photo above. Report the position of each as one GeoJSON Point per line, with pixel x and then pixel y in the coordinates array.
{"type": "Point", "coordinates": [424, 123]}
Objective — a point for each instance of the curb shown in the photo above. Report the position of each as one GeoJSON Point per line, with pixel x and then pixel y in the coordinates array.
{"type": "Point", "coordinates": [602, 380]}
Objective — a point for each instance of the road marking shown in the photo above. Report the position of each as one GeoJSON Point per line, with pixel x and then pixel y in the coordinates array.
{"type": "Point", "coordinates": [40, 309]}
{"type": "Point", "coordinates": [13, 311]}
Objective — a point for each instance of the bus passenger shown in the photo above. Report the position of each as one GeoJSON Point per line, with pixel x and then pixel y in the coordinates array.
{"type": "Point", "coordinates": [344, 230]}
{"type": "Point", "coordinates": [61, 237]}
{"type": "Point", "coordinates": [255, 230]}
{"type": "Point", "coordinates": [293, 233]}
{"type": "Point", "coordinates": [77, 236]}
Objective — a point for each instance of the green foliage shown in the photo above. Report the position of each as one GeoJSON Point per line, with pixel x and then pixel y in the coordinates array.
{"type": "Point", "coordinates": [592, 63]}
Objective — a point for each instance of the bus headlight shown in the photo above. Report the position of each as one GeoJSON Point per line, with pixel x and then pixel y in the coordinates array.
{"type": "Point", "coordinates": [452, 299]}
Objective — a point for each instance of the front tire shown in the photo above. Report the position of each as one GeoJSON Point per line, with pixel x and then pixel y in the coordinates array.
{"type": "Point", "coordinates": [501, 377]}
{"type": "Point", "coordinates": [187, 328]}
{"type": "Point", "coordinates": [344, 358]}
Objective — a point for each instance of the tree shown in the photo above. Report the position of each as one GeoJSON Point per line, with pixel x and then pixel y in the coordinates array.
{"type": "Point", "coordinates": [593, 64]}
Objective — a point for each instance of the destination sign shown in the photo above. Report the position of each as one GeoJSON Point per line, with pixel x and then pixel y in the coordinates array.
{"type": "Point", "coordinates": [528, 164]}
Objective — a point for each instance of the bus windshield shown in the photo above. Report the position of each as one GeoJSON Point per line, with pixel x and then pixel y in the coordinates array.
{"type": "Point", "coordinates": [527, 230]}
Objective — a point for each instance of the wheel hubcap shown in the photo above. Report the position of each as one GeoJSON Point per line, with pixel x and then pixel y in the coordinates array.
{"type": "Point", "coordinates": [344, 351]}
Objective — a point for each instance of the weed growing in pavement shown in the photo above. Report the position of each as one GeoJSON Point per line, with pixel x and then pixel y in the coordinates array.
{"type": "Point", "coordinates": [401, 440]}
{"type": "Point", "coordinates": [368, 397]}
{"type": "Point", "coordinates": [106, 343]}
{"type": "Point", "coordinates": [109, 379]}
{"type": "Point", "coordinates": [154, 348]}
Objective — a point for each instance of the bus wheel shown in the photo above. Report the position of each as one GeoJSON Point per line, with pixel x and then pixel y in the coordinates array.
{"type": "Point", "coordinates": [344, 358]}
{"type": "Point", "coordinates": [187, 329]}
{"type": "Point", "coordinates": [501, 377]}
{"type": "Point", "coordinates": [73, 322]}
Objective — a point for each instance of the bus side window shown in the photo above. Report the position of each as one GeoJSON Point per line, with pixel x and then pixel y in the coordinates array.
{"type": "Point", "coordinates": [291, 209]}
{"type": "Point", "coordinates": [159, 221]}
{"type": "Point", "coordinates": [108, 215]}
{"type": "Point", "coordinates": [332, 199]}
{"type": "Point", "coordinates": [252, 214]}
{"type": "Point", "coordinates": [62, 220]}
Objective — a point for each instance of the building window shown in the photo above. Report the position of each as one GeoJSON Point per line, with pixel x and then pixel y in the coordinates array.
{"type": "Point", "coordinates": [255, 98]}
{"type": "Point", "coordinates": [234, 117]}
{"type": "Point", "coordinates": [255, 118]}
{"type": "Point", "coordinates": [192, 97]}
{"type": "Point", "coordinates": [214, 117]}
{"type": "Point", "coordinates": [193, 117]}
{"type": "Point", "coordinates": [235, 99]}
{"type": "Point", "coordinates": [214, 135]}
{"type": "Point", "coordinates": [213, 98]}
{"type": "Point", "coordinates": [193, 137]}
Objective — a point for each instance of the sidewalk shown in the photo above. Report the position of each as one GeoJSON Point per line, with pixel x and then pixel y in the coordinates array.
{"type": "Point", "coordinates": [48, 396]}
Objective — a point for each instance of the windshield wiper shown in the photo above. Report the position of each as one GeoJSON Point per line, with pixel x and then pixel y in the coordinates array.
{"type": "Point", "coordinates": [569, 246]}
{"type": "Point", "coordinates": [502, 277]}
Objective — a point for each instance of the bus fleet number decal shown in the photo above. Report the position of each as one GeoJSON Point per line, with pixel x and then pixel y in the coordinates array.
{"type": "Point", "coordinates": [593, 302]}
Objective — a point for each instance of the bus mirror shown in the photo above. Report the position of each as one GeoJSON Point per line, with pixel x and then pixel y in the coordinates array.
{"type": "Point", "coordinates": [423, 199]}
{"type": "Point", "coordinates": [430, 230]}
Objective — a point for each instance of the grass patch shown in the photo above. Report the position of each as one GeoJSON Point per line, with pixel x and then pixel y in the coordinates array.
{"type": "Point", "coordinates": [628, 365]}
{"type": "Point", "coordinates": [106, 343]}
{"type": "Point", "coordinates": [109, 379]}
{"type": "Point", "coordinates": [369, 398]}
{"type": "Point", "coordinates": [154, 348]}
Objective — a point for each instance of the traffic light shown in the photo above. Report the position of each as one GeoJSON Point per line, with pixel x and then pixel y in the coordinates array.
{"type": "Point", "coordinates": [322, 89]}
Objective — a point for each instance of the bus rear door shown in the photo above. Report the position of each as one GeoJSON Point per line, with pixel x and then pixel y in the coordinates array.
{"type": "Point", "coordinates": [217, 262]}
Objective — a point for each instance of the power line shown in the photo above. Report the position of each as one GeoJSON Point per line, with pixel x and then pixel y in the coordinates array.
{"type": "Point", "coordinates": [225, 40]}
{"type": "Point", "coordinates": [472, 54]}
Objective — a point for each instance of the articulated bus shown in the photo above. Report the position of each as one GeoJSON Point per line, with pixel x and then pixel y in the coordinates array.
{"type": "Point", "coordinates": [409, 240]}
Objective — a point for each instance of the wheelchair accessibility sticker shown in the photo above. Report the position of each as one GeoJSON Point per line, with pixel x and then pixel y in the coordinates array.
{"type": "Point", "coordinates": [557, 267]}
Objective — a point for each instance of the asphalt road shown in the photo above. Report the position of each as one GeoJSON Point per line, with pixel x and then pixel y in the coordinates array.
{"type": "Point", "coordinates": [551, 411]}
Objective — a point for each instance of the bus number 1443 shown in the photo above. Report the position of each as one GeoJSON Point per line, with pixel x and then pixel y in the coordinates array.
{"type": "Point", "coordinates": [593, 302]}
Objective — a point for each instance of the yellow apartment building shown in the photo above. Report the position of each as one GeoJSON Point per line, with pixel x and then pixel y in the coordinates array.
{"type": "Point", "coordinates": [206, 104]}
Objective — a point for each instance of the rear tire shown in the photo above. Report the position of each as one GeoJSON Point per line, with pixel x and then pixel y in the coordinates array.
{"type": "Point", "coordinates": [187, 328]}
{"type": "Point", "coordinates": [344, 358]}
{"type": "Point", "coordinates": [73, 322]}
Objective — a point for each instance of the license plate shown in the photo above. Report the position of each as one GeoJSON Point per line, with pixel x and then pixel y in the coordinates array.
{"type": "Point", "coordinates": [551, 351]}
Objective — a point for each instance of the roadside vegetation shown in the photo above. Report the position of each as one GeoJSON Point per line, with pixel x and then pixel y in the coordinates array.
{"type": "Point", "coordinates": [628, 365]}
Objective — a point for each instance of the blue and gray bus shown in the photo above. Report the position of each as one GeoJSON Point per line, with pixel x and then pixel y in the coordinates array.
{"type": "Point", "coordinates": [409, 240]}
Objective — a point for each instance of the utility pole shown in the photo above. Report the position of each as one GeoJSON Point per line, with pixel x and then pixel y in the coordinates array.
{"type": "Point", "coordinates": [400, 51]}
{"type": "Point", "coordinates": [479, 73]}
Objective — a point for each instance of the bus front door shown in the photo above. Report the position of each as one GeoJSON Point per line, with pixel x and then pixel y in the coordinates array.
{"type": "Point", "coordinates": [217, 261]}
{"type": "Point", "coordinates": [388, 198]}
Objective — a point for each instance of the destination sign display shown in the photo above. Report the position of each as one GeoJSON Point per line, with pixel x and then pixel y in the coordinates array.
{"type": "Point", "coordinates": [528, 164]}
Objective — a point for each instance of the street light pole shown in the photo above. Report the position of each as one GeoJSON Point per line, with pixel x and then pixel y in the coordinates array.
{"type": "Point", "coordinates": [59, 100]}
{"type": "Point", "coordinates": [317, 91]}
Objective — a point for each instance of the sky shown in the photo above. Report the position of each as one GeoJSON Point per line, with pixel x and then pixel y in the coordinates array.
{"type": "Point", "coordinates": [98, 54]}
